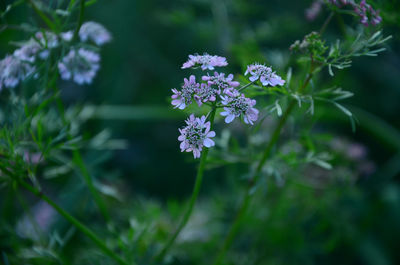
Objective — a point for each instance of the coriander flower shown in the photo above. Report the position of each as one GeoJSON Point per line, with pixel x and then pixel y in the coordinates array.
{"type": "Point", "coordinates": [67, 36]}
{"type": "Point", "coordinates": [195, 135]}
{"type": "Point", "coordinates": [220, 81]}
{"type": "Point", "coordinates": [47, 40]}
{"type": "Point", "coordinates": [206, 93]}
{"type": "Point", "coordinates": [28, 51]}
{"type": "Point", "coordinates": [80, 65]}
{"type": "Point", "coordinates": [206, 61]}
{"type": "Point", "coordinates": [265, 74]}
{"type": "Point", "coordinates": [95, 32]}
{"type": "Point", "coordinates": [13, 71]}
{"type": "Point", "coordinates": [183, 98]}
{"type": "Point", "coordinates": [237, 105]}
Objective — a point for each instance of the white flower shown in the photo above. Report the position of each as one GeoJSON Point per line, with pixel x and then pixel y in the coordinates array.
{"type": "Point", "coordinates": [95, 32]}
{"type": "Point", "coordinates": [79, 65]}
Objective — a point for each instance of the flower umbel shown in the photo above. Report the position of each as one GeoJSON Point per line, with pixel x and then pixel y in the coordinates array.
{"type": "Point", "coordinates": [13, 71]}
{"type": "Point", "coordinates": [264, 74]}
{"type": "Point", "coordinates": [205, 61]}
{"type": "Point", "coordinates": [95, 32]}
{"type": "Point", "coordinates": [220, 81]}
{"type": "Point", "coordinates": [237, 104]}
{"type": "Point", "coordinates": [195, 135]}
{"type": "Point", "coordinates": [182, 98]}
{"type": "Point", "coordinates": [80, 65]}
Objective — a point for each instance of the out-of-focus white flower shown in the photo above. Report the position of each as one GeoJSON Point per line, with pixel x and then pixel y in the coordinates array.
{"type": "Point", "coordinates": [79, 65]}
{"type": "Point", "coordinates": [13, 71]}
{"type": "Point", "coordinates": [93, 31]}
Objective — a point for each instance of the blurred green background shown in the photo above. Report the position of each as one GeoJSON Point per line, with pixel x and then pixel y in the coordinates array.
{"type": "Point", "coordinates": [356, 222]}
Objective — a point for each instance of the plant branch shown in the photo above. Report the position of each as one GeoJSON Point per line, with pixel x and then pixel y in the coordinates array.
{"type": "Point", "coordinates": [247, 197]}
{"type": "Point", "coordinates": [89, 233]}
{"type": "Point", "coordinates": [193, 198]}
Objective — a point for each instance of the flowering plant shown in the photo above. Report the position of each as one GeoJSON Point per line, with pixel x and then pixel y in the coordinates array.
{"type": "Point", "coordinates": [253, 117]}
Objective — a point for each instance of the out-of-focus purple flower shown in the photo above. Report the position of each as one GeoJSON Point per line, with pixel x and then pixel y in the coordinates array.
{"type": "Point", "coordinates": [264, 74]}
{"type": "Point", "coordinates": [79, 65]}
{"type": "Point", "coordinates": [182, 98]}
{"type": "Point", "coordinates": [32, 158]}
{"type": "Point", "coordinates": [205, 61]}
{"type": "Point", "coordinates": [220, 81]}
{"type": "Point", "coordinates": [206, 93]}
{"type": "Point", "coordinates": [313, 11]}
{"type": "Point", "coordinates": [237, 105]}
{"type": "Point", "coordinates": [28, 51]}
{"type": "Point", "coordinates": [356, 151]}
{"type": "Point", "coordinates": [364, 10]}
{"type": "Point", "coordinates": [195, 135]}
{"type": "Point", "coordinates": [43, 216]}
{"type": "Point", "coordinates": [95, 32]}
{"type": "Point", "coordinates": [13, 71]}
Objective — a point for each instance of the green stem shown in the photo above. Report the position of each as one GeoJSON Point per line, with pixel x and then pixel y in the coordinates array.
{"type": "Point", "coordinates": [80, 18]}
{"type": "Point", "coordinates": [78, 161]}
{"type": "Point", "coordinates": [323, 28]}
{"type": "Point", "coordinates": [48, 22]}
{"type": "Point", "coordinates": [247, 85]}
{"type": "Point", "coordinates": [99, 242]}
{"type": "Point", "coordinates": [247, 197]}
{"type": "Point", "coordinates": [193, 198]}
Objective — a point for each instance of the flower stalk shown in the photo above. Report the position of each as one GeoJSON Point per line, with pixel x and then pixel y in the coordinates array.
{"type": "Point", "coordinates": [193, 198]}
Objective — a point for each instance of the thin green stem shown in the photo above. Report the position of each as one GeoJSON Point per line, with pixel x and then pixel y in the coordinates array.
{"type": "Point", "coordinates": [324, 26]}
{"type": "Point", "coordinates": [80, 18]}
{"type": "Point", "coordinates": [247, 197]}
{"type": "Point", "coordinates": [46, 20]}
{"type": "Point", "coordinates": [193, 199]}
{"type": "Point", "coordinates": [247, 85]}
{"type": "Point", "coordinates": [99, 242]}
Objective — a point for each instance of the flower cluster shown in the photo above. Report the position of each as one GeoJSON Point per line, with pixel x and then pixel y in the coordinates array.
{"type": "Point", "coordinates": [79, 64]}
{"type": "Point", "coordinates": [94, 32]}
{"type": "Point", "coordinates": [205, 61]}
{"type": "Point", "coordinates": [364, 10]}
{"type": "Point", "coordinates": [265, 74]}
{"type": "Point", "coordinates": [195, 135]}
{"type": "Point", "coordinates": [216, 90]}
{"type": "Point", "coordinates": [13, 71]}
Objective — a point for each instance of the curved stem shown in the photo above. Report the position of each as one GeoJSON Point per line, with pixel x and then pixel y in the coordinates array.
{"type": "Point", "coordinates": [247, 197]}
{"type": "Point", "coordinates": [193, 198]}
{"type": "Point", "coordinates": [99, 242]}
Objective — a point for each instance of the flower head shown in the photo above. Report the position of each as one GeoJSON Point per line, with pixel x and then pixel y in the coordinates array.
{"type": "Point", "coordinates": [195, 135]}
{"type": "Point", "coordinates": [206, 61]}
{"type": "Point", "coordinates": [220, 81]}
{"type": "Point", "coordinates": [67, 36]}
{"type": "Point", "coordinates": [13, 71]}
{"type": "Point", "coordinates": [364, 10]}
{"type": "Point", "coordinates": [264, 74]}
{"type": "Point", "coordinates": [237, 105]}
{"type": "Point", "coordinates": [28, 51]}
{"type": "Point", "coordinates": [95, 32]}
{"type": "Point", "coordinates": [47, 39]}
{"type": "Point", "coordinates": [80, 65]}
{"type": "Point", "coordinates": [206, 93]}
{"type": "Point", "coordinates": [182, 98]}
